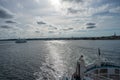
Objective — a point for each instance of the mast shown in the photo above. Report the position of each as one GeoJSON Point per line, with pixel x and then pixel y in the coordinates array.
{"type": "Point", "coordinates": [99, 53]}
{"type": "Point", "coordinates": [98, 61]}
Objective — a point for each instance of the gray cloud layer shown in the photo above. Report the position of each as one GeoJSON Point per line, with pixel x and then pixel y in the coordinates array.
{"type": "Point", "coordinates": [5, 14]}
{"type": "Point", "coordinates": [5, 27]}
{"type": "Point", "coordinates": [37, 31]}
{"type": "Point", "coordinates": [41, 23]}
{"type": "Point", "coordinates": [71, 10]}
{"type": "Point", "coordinates": [51, 32]}
{"type": "Point", "coordinates": [67, 29]}
{"type": "Point", "coordinates": [89, 24]}
{"type": "Point", "coordinates": [91, 27]}
{"type": "Point", "coordinates": [9, 21]}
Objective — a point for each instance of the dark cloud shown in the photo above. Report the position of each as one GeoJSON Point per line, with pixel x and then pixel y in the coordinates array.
{"type": "Point", "coordinates": [51, 32]}
{"type": "Point", "coordinates": [74, 11]}
{"type": "Point", "coordinates": [67, 29]}
{"type": "Point", "coordinates": [41, 23]}
{"type": "Point", "coordinates": [37, 31]}
{"type": "Point", "coordinates": [5, 27]}
{"type": "Point", "coordinates": [70, 28]}
{"type": "Point", "coordinates": [71, 10]}
{"type": "Point", "coordinates": [91, 27]}
{"type": "Point", "coordinates": [5, 14]}
{"type": "Point", "coordinates": [52, 27]}
{"type": "Point", "coordinates": [10, 21]}
{"type": "Point", "coordinates": [91, 24]}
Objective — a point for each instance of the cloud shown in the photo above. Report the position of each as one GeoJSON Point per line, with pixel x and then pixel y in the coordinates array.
{"type": "Point", "coordinates": [10, 22]}
{"type": "Point", "coordinates": [71, 10]}
{"type": "Point", "coordinates": [90, 24]}
{"type": "Point", "coordinates": [91, 27]}
{"type": "Point", "coordinates": [5, 14]}
{"type": "Point", "coordinates": [41, 23]}
{"type": "Point", "coordinates": [76, 1]}
{"type": "Point", "coordinates": [115, 10]}
{"type": "Point", "coordinates": [5, 27]}
{"type": "Point", "coordinates": [67, 29]}
{"type": "Point", "coordinates": [37, 31]}
{"type": "Point", "coordinates": [83, 8]}
{"type": "Point", "coordinates": [52, 27]}
{"type": "Point", "coordinates": [51, 32]}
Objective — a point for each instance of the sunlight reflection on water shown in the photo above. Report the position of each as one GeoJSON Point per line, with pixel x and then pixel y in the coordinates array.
{"type": "Point", "coordinates": [55, 58]}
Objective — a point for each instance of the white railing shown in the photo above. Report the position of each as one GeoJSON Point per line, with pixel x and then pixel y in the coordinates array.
{"type": "Point", "coordinates": [97, 77]}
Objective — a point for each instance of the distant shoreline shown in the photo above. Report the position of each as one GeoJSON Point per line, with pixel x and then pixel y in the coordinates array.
{"type": "Point", "coordinates": [73, 38]}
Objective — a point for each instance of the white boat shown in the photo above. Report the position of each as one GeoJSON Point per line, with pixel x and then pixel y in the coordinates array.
{"type": "Point", "coordinates": [21, 41]}
{"type": "Point", "coordinates": [99, 70]}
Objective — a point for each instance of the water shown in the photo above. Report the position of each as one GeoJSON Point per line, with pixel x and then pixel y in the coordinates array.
{"type": "Point", "coordinates": [49, 60]}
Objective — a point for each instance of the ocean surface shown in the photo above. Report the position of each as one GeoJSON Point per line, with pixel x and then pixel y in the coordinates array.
{"type": "Point", "coordinates": [49, 60]}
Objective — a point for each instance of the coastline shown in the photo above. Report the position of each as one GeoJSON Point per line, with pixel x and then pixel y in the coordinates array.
{"type": "Point", "coordinates": [73, 38]}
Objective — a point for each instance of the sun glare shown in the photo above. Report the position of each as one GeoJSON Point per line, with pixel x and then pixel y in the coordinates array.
{"type": "Point", "coordinates": [56, 3]}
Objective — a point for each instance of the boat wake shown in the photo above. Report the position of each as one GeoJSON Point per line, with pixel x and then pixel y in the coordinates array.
{"type": "Point", "coordinates": [46, 72]}
{"type": "Point", "coordinates": [54, 66]}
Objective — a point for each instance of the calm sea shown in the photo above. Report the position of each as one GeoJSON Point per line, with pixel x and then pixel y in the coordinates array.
{"type": "Point", "coordinates": [49, 60]}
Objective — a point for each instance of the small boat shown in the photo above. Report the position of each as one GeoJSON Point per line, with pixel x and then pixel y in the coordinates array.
{"type": "Point", "coordinates": [21, 41]}
{"type": "Point", "coordinates": [99, 70]}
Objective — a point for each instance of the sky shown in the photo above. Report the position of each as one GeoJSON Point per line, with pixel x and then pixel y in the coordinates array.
{"type": "Point", "coordinates": [58, 18]}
